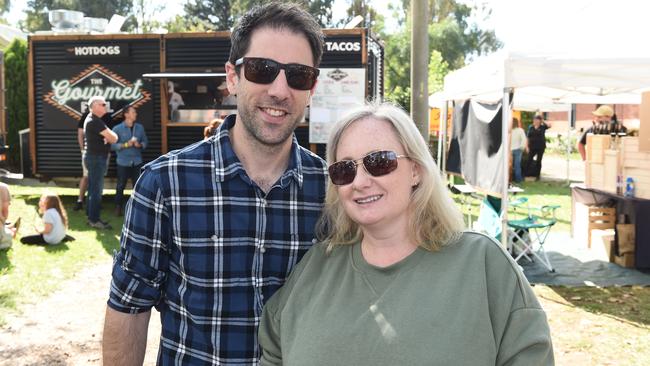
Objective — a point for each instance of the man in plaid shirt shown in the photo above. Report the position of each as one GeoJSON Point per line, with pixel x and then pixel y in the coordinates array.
{"type": "Point", "coordinates": [213, 230]}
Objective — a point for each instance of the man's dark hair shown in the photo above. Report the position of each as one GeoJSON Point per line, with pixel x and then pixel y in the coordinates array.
{"type": "Point", "coordinates": [276, 15]}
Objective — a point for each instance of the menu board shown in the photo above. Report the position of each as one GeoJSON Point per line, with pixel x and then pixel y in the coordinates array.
{"type": "Point", "coordinates": [337, 92]}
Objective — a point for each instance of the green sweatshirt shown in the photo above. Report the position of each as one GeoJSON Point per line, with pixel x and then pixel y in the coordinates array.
{"type": "Point", "coordinates": [467, 304]}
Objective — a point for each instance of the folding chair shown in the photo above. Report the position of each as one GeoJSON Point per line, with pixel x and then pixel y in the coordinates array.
{"type": "Point", "coordinates": [489, 220]}
{"type": "Point", "coordinates": [537, 227]}
{"type": "Point", "coordinates": [465, 192]}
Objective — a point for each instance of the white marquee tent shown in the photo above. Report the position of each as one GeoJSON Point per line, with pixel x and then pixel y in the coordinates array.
{"type": "Point", "coordinates": [547, 82]}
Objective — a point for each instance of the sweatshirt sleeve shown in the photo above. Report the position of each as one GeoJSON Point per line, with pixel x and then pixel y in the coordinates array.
{"type": "Point", "coordinates": [527, 340]}
{"type": "Point", "coordinates": [520, 326]}
{"type": "Point", "coordinates": [269, 334]}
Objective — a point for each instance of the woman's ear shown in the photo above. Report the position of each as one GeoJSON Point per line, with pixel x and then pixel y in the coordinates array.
{"type": "Point", "coordinates": [416, 174]}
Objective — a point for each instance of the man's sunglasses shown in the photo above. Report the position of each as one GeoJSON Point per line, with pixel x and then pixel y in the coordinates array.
{"type": "Point", "coordinates": [264, 71]}
{"type": "Point", "coordinates": [376, 163]}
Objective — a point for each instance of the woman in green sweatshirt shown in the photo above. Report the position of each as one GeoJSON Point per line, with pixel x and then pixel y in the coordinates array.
{"type": "Point", "coordinates": [396, 280]}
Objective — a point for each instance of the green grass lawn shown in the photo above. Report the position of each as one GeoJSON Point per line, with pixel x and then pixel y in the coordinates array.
{"type": "Point", "coordinates": [598, 326]}
{"type": "Point", "coordinates": [29, 272]}
{"type": "Point", "coordinates": [538, 194]}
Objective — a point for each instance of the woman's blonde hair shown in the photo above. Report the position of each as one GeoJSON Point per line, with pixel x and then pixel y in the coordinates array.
{"type": "Point", "coordinates": [53, 201]}
{"type": "Point", "coordinates": [435, 219]}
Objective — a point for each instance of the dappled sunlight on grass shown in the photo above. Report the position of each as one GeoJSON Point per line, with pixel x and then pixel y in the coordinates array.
{"type": "Point", "coordinates": [29, 272]}
{"type": "Point", "coordinates": [598, 326]}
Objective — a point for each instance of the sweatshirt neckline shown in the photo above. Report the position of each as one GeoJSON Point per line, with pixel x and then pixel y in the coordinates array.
{"type": "Point", "coordinates": [360, 263]}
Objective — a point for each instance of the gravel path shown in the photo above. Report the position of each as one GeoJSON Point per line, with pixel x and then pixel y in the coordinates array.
{"type": "Point", "coordinates": [66, 327]}
{"type": "Point", "coordinates": [555, 167]}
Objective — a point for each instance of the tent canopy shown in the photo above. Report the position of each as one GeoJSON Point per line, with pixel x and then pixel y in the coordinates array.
{"type": "Point", "coordinates": [551, 82]}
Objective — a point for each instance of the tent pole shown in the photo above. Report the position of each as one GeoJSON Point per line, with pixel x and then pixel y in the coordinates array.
{"type": "Point", "coordinates": [505, 123]}
{"type": "Point", "coordinates": [568, 145]}
{"type": "Point", "coordinates": [442, 138]}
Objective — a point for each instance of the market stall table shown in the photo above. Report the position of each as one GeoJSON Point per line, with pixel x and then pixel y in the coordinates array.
{"type": "Point", "coordinates": [635, 210]}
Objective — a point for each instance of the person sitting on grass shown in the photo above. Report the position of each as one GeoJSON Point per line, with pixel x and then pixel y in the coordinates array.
{"type": "Point", "coordinates": [7, 232]}
{"type": "Point", "coordinates": [55, 222]}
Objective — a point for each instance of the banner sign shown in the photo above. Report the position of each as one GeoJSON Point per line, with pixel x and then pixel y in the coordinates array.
{"type": "Point", "coordinates": [108, 51]}
{"type": "Point", "coordinates": [476, 150]}
{"type": "Point", "coordinates": [68, 88]}
{"type": "Point", "coordinates": [349, 45]}
{"type": "Point", "coordinates": [337, 91]}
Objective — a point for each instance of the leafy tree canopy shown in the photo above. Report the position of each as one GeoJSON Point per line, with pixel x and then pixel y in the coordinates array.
{"type": "Point", "coordinates": [222, 14]}
{"type": "Point", "coordinates": [37, 10]}
{"type": "Point", "coordinates": [452, 40]}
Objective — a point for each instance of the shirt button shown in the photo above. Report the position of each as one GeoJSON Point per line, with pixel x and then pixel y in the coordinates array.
{"type": "Point", "coordinates": [313, 241]}
{"type": "Point", "coordinates": [214, 237]}
{"type": "Point", "coordinates": [262, 250]}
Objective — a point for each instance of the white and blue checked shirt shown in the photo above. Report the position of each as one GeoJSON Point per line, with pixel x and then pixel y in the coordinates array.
{"type": "Point", "coordinates": [207, 247]}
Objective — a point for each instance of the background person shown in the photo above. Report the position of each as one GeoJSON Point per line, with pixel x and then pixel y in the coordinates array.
{"type": "Point", "coordinates": [536, 146]}
{"type": "Point", "coordinates": [55, 221]}
{"type": "Point", "coordinates": [7, 232]}
{"type": "Point", "coordinates": [215, 228]}
{"type": "Point", "coordinates": [395, 280]}
{"type": "Point", "coordinates": [83, 182]}
{"type": "Point", "coordinates": [211, 128]}
{"type": "Point", "coordinates": [131, 141]}
{"type": "Point", "coordinates": [602, 117]}
{"type": "Point", "coordinates": [98, 138]}
{"type": "Point", "coordinates": [226, 97]}
{"type": "Point", "coordinates": [175, 102]}
{"type": "Point", "coordinates": [518, 143]}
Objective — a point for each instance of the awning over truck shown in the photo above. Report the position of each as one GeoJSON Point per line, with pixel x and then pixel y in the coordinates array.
{"type": "Point", "coordinates": [183, 75]}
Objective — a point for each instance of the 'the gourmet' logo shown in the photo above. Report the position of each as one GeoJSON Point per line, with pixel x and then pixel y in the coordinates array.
{"type": "Point", "coordinates": [70, 95]}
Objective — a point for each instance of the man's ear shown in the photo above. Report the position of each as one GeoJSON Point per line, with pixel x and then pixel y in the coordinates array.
{"type": "Point", "coordinates": [232, 79]}
{"type": "Point", "coordinates": [313, 89]}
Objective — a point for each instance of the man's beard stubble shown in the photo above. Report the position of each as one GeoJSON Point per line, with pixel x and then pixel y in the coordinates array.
{"type": "Point", "coordinates": [254, 128]}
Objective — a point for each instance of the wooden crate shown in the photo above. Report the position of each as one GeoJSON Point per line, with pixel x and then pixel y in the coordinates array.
{"type": "Point", "coordinates": [596, 173]}
{"type": "Point", "coordinates": [611, 169]}
{"type": "Point", "coordinates": [635, 164]}
{"type": "Point", "coordinates": [641, 177]}
{"type": "Point", "coordinates": [625, 260]}
{"type": "Point", "coordinates": [600, 218]}
{"type": "Point", "coordinates": [596, 146]}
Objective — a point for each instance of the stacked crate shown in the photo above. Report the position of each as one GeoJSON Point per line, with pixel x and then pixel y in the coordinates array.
{"type": "Point", "coordinates": [635, 164]}
{"type": "Point", "coordinates": [602, 164]}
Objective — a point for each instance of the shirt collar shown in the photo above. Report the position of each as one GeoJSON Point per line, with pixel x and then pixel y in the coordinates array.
{"type": "Point", "coordinates": [228, 165]}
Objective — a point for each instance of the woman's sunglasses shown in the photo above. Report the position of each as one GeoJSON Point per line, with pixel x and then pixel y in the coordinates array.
{"type": "Point", "coordinates": [264, 71]}
{"type": "Point", "coordinates": [376, 163]}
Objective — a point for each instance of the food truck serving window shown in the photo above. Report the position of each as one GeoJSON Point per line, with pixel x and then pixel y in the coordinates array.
{"type": "Point", "coordinates": [196, 97]}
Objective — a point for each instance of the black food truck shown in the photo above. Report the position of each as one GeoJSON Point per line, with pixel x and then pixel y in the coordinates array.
{"type": "Point", "coordinates": [176, 83]}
